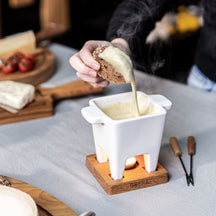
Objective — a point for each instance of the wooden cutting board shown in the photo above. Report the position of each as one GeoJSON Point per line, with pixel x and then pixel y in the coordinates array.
{"type": "Point", "coordinates": [42, 106]}
{"type": "Point", "coordinates": [43, 69]}
{"type": "Point", "coordinates": [47, 204]}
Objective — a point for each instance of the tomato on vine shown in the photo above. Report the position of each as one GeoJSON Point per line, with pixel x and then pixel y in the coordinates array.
{"type": "Point", "coordinates": [8, 67]}
{"type": "Point", "coordinates": [25, 65]}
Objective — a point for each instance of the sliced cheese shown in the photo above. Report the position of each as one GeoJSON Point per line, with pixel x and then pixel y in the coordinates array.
{"type": "Point", "coordinates": [15, 202]}
{"type": "Point", "coordinates": [24, 42]}
{"type": "Point", "coordinates": [15, 95]}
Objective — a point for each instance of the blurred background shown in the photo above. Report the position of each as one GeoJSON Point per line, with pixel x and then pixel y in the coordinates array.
{"type": "Point", "coordinates": [72, 23]}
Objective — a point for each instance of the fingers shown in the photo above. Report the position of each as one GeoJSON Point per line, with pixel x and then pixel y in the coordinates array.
{"type": "Point", "coordinates": [86, 66]}
{"type": "Point", "coordinates": [86, 55]}
{"type": "Point", "coordinates": [102, 84]}
{"type": "Point", "coordinates": [94, 81]}
{"type": "Point", "coordinates": [87, 50]}
{"type": "Point", "coordinates": [77, 63]}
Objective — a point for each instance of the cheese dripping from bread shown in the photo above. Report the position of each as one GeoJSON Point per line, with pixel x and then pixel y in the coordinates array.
{"type": "Point", "coordinates": [122, 63]}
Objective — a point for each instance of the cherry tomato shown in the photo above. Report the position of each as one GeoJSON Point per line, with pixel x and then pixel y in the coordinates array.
{"type": "Point", "coordinates": [31, 57]}
{"type": "Point", "coordinates": [12, 60]}
{"type": "Point", "coordinates": [25, 65]}
{"type": "Point", "coordinates": [18, 55]}
{"type": "Point", "coordinates": [8, 67]}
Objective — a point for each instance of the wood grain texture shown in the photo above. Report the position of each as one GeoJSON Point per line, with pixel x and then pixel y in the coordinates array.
{"type": "Point", "coordinates": [175, 146]}
{"type": "Point", "coordinates": [133, 179]}
{"type": "Point", "coordinates": [191, 145]}
{"type": "Point", "coordinates": [43, 69]}
{"type": "Point", "coordinates": [55, 13]}
{"type": "Point", "coordinates": [20, 3]}
{"type": "Point", "coordinates": [47, 204]}
{"type": "Point", "coordinates": [42, 106]}
{"type": "Point", "coordinates": [43, 212]}
{"type": "Point", "coordinates": [69, 90]}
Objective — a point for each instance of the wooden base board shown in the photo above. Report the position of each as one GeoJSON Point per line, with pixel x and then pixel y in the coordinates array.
{"type": "Point", "coordinates": [46, 203]}
{"type": "Point", "coordinates": [133, 179]}
{"type": "Point", "coordinates": [41, 107]}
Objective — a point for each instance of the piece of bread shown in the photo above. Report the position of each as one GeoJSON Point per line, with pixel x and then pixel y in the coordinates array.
{"type": "Point", "coordinates": [106, 70]}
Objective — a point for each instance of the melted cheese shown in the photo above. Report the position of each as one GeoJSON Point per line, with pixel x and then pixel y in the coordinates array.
{"type": "Point", "coordinates": [120, 61]}
{"type": "Point", "coordinates": [120, 111]}
{"type": "Point", "coordinates": [123, 65]}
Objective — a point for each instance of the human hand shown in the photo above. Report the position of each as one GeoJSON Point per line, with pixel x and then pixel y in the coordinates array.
{"type": "Point", "coordinates": [87, 67]}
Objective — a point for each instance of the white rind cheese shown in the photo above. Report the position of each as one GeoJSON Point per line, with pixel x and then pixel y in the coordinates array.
{"type": "Point", "coordinates": [16, 95]}
{"type": "Point", "coordinates": [25, 42]}
{"type": "Point", "coordinates": [15, 202]}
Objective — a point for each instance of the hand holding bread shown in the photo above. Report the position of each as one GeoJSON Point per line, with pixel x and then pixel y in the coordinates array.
{"type": "Point", "coordinates": [106, 70]}
{"type": "Point", "coordinates": [89, 67]}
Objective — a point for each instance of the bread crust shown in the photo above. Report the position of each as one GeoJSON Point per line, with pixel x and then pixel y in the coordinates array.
{"type": "Point", "coordinates": [106, 70]}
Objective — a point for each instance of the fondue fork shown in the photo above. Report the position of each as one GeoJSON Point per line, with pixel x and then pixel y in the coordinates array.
{"type": "Point", "coordinates": [191, 152]}
{"type": "Point", "coordinates": [178, 153]}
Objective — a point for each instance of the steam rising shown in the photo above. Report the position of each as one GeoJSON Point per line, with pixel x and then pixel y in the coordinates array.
{"type": "Point", "coordinates": [147, 57]}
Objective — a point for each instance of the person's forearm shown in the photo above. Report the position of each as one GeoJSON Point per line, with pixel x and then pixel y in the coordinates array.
{"type": "Point", "coordinates": [136, 18]}
{"type": "Point", "coordinates": [131, 23]}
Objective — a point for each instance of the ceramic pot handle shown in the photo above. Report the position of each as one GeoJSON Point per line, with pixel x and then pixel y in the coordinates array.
{"type": "Point", "coordinates": [161, 100]}
{"type": "Point", "coordinates": [93, 115]}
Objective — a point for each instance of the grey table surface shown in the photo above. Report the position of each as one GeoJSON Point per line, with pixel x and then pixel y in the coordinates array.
{"type": "Point", "coordinates": [50, 153]}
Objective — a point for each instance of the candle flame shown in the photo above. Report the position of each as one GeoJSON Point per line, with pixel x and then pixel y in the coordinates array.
{"type": "Point", "coordinates": [130, 163]}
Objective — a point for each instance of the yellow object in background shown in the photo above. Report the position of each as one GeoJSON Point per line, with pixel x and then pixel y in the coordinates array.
{"type": "Point", "coordinates": [24, 42]}
{"type": "Point", "coordinates": [186, 22]}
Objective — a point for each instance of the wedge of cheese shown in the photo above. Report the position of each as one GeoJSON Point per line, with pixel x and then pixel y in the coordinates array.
{"type": "Point", "coordinates": [24, 42]}
{"type": "Point", "coordinates": [16, 202]}
{"type": "Point", "coordinates": [15, 95]}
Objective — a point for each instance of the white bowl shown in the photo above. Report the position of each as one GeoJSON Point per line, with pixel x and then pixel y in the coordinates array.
{"type": "Point", "coordinates": [118, 140]}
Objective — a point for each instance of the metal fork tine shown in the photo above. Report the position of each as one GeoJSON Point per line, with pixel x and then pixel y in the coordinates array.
{"type": "Point", "coordinates": [191, 168]}
{"type": "Point", "coordinates": [191, 152]}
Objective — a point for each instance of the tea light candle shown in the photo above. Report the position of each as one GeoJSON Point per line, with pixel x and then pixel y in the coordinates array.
{"type": "Point", "coordinates": [130, 163]}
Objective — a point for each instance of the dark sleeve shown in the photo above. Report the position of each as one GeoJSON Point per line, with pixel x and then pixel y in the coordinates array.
{"type": "Point", "coordinates": [205, 57]}
{"type": "Point", "coordinates": [133, 20]}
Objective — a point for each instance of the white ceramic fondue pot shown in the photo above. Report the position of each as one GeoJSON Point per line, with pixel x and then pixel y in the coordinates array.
{"type": "Point", "coordinates": [117, 140]}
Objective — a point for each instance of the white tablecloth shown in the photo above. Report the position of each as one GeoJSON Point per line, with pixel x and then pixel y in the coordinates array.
{"type": "Point", "coordinates": [50, 153]}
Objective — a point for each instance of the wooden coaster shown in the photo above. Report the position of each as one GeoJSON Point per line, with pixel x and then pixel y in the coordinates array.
{"type": "Point", "coordinates": [133, 179]}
